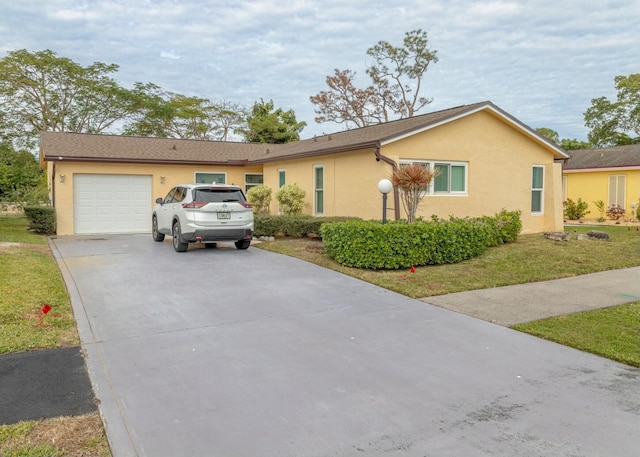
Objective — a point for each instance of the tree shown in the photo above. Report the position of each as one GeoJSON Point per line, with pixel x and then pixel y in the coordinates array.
{"type": "Point", "coordinates": [165, 114]}
{"type": "Point", "coordinates": [42, 91]}
{"type": "Point", "coordinates": [413, 180]}
{"type": "Point", "coordinates": [573, 144]}
{"type": "Point", "coordinates": [228, 117]}
{"type": "Point", "coordinates": [19, 173]}
{"type": "Point", "coordinates": [345, 103]}
{"type": "Point", "coordinates": [618, 122]}
{"type": "Point", "coordinates": [266, 125]}
{"type": "Point", "coordinates": [549, 134]}
{"type": "Point", "coordinates": [565, 144]}
{"type": "Point", "coordinates": [397, 76]}
{"type": "Point", "coordinates": [402, 70]}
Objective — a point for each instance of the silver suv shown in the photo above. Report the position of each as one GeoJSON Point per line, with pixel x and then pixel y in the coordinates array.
{"type": "Point", "coordinates": [204, 213]}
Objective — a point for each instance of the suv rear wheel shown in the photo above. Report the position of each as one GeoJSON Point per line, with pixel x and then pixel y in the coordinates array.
{"type": "Point", "coordinates": [178, 245]}
{"type": "Point", "coordinates": [243, 244]}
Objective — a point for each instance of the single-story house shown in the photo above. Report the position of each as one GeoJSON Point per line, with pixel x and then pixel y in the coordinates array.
{"type": "Point", "coordinates": [608, 174]}
{"type": "Point", "coordinates": [487, 161]}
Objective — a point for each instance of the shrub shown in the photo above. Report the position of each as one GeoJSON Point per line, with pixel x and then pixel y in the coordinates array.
{"type": "Point", "coordinates": [615, 212]}
{"type": "Point", "coordinates": [412, 180]}
{"type": "Point", "coordinates": [291, 199]}
{"type": "Point", "coordinates": [505, 227]}
{"type": "Point", "coordinates": [373, 245]}
{"type": "Point", "coordinates": [575, 210]}
{"type": "Point", "coordinates": [42, 219]}
{"type": "Point", "coordinates": [259, 197]}
{"type": "Point", "coordinates": [601, 209]}
{"type": "Point", "coordinates": [293, 226]}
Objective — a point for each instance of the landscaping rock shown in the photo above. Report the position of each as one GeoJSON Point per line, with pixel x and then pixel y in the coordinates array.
{"type": "Point", "coordinates": [557, 236]}
{"type": "Point", "coordinates": [594, 235]}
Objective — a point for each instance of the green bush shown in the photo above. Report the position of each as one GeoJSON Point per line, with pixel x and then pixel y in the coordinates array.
{"type": "Point", "coordinates": [291, 199]}
{"type": "Point", "coordinates": [293, 226]}
{"type": "Point", "coordinates": [575, 210]}
{"type": "Point", "coordinates": [259, 197]}
{"type": "Point", "coordinates": [601, 209]}
{"type": "Point", "coordinates": [42, 219]}
{"type": "Point", "coordinates": [505, 227]}
{"type": "Point", "coordinates": [373, 245]}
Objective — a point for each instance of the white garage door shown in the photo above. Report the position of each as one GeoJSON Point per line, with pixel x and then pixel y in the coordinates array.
{"type": "Point", "coordinates": [111, 204]}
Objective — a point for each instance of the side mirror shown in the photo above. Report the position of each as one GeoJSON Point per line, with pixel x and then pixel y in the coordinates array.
{"type": "Point", "coordinates": [159, 201]}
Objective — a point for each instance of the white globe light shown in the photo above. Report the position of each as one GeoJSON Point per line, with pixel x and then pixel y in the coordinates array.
{"type": "Point", "coordinates": [385, 186]}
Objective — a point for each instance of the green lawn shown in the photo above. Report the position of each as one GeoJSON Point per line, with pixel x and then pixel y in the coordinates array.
{"type": "Point", "coordinates": [29, 279]}
{"type": "Point", "coordinates": [610, 332]}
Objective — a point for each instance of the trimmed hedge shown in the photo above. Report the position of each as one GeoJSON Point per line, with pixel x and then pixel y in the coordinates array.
{"type": "Point", "coordinates": [373, 245]}
{"type": "Point", "coordinates": [293, 226]}
{"type": "Point", "coordinates": [42, 219]}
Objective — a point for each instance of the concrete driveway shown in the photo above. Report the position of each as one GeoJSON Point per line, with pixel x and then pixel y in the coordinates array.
{"type": "Point", "coordinates": [248, 353]}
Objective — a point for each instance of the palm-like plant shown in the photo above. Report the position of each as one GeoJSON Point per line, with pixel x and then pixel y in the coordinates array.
{"type": "Point", "coordinates": [413, 180]}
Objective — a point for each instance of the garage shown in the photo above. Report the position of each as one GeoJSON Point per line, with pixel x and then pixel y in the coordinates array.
{"type": "Point", "coordinates": [111, 203]}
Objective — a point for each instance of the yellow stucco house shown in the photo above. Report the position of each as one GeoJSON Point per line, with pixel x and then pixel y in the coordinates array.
{"type": "Point", "coordinates": [608, 174]}
{"type": "Point", "coordinates": [487, 160]}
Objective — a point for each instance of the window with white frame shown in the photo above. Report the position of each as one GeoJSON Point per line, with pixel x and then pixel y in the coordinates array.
{"type": "Point", "coordinates": [537, 189]}
{"type": "Point", "coordinates": [252, 180]}
{"type": "Point", "coordinates": [451, 177]}
{"type": "Point", "coordinates": [318, 189]}
{"type": "Point", "coordinates": [617, 190]}
{"type": "Point", "coordinates": [282, 178]}
{"type": "Point", "coordinates": [210, 178]}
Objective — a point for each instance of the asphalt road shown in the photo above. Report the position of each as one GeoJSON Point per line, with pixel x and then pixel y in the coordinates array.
{"type": "Point", "coordinates": [249, 353]}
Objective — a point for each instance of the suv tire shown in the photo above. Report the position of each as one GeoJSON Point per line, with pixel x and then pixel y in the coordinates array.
{"type": "Point", "coordinates": [178, 244]}
{"type": "Point", "coordinates": [157, 236]}
{"type": "Point", "coordinates": [243, 244]}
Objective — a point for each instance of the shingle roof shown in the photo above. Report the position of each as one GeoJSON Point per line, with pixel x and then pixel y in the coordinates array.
{"type": "Point", "coordinates": [613, 157]}
{"type": "Point", "coordinates": [112, 148]}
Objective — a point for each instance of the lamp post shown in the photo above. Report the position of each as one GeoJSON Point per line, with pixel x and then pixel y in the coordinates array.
{"type": "Point", "coordinates": [384, 186]}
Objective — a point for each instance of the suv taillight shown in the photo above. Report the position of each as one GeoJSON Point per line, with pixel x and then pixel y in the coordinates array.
{"type": "Point", "coordinates": [194, 205]}
{"type": "Point", "coordinates": [246, 204]}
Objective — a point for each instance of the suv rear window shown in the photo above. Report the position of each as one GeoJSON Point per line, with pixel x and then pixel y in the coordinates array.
{"type": "Point", "coordinates": [218, 195]}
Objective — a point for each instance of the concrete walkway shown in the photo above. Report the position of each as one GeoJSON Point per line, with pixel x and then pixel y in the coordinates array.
{"type": "Point", "coordinates": [529, 302]}
{"type": "Point", "coordinates": [250, 353]}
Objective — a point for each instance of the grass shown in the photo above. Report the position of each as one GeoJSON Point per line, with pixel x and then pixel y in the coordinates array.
{"type": "Point", "coordinates": [78, 436]}
{"type": "Point", "coordinates": [609, 332]}
{"type": "Point", "coordinates": [29, 279]}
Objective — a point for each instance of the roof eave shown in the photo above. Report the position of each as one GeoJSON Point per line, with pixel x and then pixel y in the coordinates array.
{"type": "Point", "coordinates": [147, 161]}
{"type": "Point", "coordinates": [602, 168]}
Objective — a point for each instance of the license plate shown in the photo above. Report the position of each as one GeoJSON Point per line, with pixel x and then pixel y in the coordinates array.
{"type": "Point", "coordinates": [226, 215]}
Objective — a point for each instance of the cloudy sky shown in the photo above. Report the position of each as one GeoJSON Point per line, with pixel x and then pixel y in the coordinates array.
{"type": "Point", "coordinates": [540, 60]}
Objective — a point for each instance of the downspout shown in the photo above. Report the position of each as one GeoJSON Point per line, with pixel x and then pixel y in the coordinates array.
{"type": "Point", "coordinates": [53, 184]}
{"type": "Point", "coordinates": [396, 193]}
